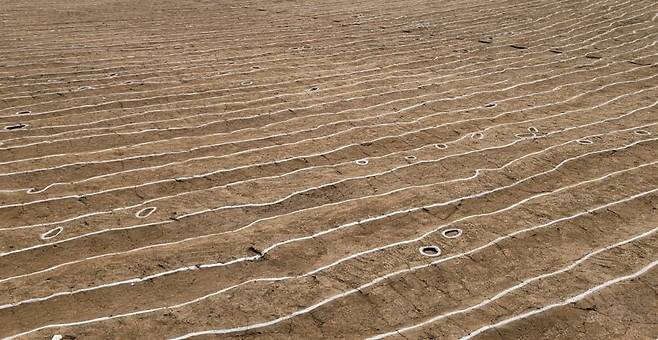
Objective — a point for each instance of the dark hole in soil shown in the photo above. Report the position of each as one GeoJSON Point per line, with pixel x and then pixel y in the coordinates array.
{"type": "Point", "coordinates": [15, 126]}
{"type": "Point", "coordinates": [452, 233]}
{"type": "Point", "coordinates": [52, 233]}
{"type": "Point", "coordinates": [430, 251]}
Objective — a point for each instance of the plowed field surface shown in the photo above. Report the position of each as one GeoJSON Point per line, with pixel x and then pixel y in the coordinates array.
{"type": "Point", "coordinates": [329, 169]}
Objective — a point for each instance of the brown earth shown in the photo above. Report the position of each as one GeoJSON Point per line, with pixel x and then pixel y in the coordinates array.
{"type": "Point", "coordinates": [341, 169]}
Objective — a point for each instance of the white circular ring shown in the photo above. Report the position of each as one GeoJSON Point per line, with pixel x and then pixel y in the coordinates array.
{"type": "Point", "coordinates": [51, 233]}
{"type": "Point", "coordinates": [430, 251]}
{"type": "Point", "coordinates": [451, 231]}
{"type": "Point", "coordinates": [146, 212]}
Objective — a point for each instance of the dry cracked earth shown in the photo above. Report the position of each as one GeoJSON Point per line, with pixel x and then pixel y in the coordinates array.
{"type": "Point", "coordinates": [334, 169]}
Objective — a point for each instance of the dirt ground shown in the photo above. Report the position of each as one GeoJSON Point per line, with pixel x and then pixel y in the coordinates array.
{"type": "Point", "coordinates": [329, 169]}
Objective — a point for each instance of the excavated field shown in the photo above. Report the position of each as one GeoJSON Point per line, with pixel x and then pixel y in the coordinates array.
{"type": "Point", "coordinates": [329, 169]}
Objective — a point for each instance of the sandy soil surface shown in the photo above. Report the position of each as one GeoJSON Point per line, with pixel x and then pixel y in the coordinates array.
{"type": "Point", "coordinates": [329, 169]}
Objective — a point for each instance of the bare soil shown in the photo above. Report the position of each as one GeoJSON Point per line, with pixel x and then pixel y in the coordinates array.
{"type": "Point", "coordinates": [329, 169]}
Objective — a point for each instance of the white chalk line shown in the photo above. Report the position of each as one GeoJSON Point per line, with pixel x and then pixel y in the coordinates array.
{"type": "Point", "coordinates": [232, 33]}
{"type": "Point", "coordinates": [310, 65]}
{"type": "Point", "coordinates": [135, 61]}
{"type": "Point", "coordinates": [276, 96]}
{"type": "Point", "coordinates": [352, 60]}
{"type": "Point", "coordinates": [241, 32]}
{"type": "Point", "coordinates": [570, 300]}
{"type": "Point", "coordinates": [225, 74]}
{"type": "Point", "coordinates": [303, 210]}
{"type": "Point", "coordinates": [341, 132]}
{"type": "Point", "coordinates": [476, 20]}
{"type": "Point", "coordinates": [196, 148]}
{"type": "Point", "coordinates": [273, 217]}
{"type": "Point", "coordinates": [285, 134]}
{"type": "Point", "coordinates": [122, 66]}
{"type": "Point", "coordinates": [377, 280]}
{"type": "Point", "coordinates": [212, 114]}
{"type": "Point", "coordinates": [170, 221]}
{"type": "Point", "coordinates": [515, 287]}
{"type": "Point", "coordinates": [285, 110]}
{"type": "Point", "coordinates": [351, 224]}
{"type": "Point", "coordinates": [424, 161]}
{"type": "Point", "coordinates": [192, 149]}
{"type": "Point", "coordinates": [110, 174]}
{"type": "Point", "coordinates": [549, 16]}
{"type": "Point", "coordinates": [402, 271]}
{"type": "Point", "coordinates": [296, 118]}
{"type": "Point", "coordinates": [295, 36]}
{"type": "Point", "coordinates": [143, 143]}
{"type": "Point", "coordinates": [304, 169]}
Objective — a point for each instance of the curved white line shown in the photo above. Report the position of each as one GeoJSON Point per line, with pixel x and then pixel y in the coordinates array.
{"type": "Point", "coordinates": [52, 233]}
{"type": "Point", "coordinates": [285, 110]}
{"type": "Point", "coordinates": [184, 118]}
{"type": "Point", "coordinates": [76, 196]}
{"type": "Point", "coordinates": [297, 35]}
{"type": "Point", "coordinates": [204, 211]}
{"type": "Point", "coordinates": [364, 286]}
{"type": "Point", "coordinates": [500, 29]}
{"type": "Point", "coordinates": [570, 300]}
{"type": "Point", "coordinates": [142, 155]}
{"type": "Point", "coordinates": [367, 220]}
{"type": "Point", "coordinates": [146, 212]}
{"type": "Point", "coordinates": [515, 287]}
